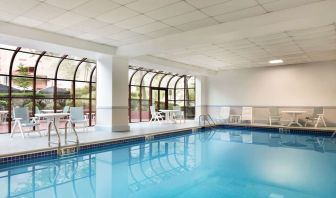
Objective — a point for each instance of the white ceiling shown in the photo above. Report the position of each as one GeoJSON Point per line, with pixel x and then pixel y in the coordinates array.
{"type": "Point", "coordinates": [128, 22]}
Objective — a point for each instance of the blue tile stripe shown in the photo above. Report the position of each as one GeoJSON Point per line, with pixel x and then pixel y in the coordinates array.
{"type": "Point", "coordinates": [52, 154]}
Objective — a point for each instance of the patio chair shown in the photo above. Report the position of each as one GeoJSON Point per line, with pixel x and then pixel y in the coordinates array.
{"type": "Point", "coordinates": [77, 117]}
{"type": "Point", "coordinates": [274, 115]}
{"type": "Point", "coordinates": [156, 116]}
{"type": "Point", "coordinates": [224, 114]}
{"type": "Point", "coordinates": [22, 120]}
{"type": "Point", "coordinates": [178, 115]}
{"type": "Point", "coordinates": [247, 114]}
{"type": "Point", "coordinates": [316, 117]}
{"type": "Point", "coordinates": [65, 110]}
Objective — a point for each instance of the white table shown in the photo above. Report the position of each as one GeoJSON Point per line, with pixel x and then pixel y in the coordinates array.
{"type": "Point", "coordinates": [51, 111]}
{"type": "Point", "coordinates": [169, 115]}
{"type": "Point", "coordinates": [294, 117]}
{"type": "Point", "coordinates": [52, 117]}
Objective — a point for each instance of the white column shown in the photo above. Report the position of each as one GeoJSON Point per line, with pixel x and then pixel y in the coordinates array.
{"type": "Point", "coordinates": [112, 93]}
{"type": "Point", "coordinates": [201, 96]}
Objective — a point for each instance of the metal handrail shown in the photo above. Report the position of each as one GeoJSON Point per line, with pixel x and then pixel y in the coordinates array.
{"type": "Point", "coordinates": [66, 133]}
{"type": "Point", "coordinates": [58, 136]}
{"type": "Point", "coordinates": [333, 135]}
{"type": "Point", "coordinates": [206, 117]}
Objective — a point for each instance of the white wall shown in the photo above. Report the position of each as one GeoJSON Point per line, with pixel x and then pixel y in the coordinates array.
{"type": "Point", "coordinates": [293, 85]}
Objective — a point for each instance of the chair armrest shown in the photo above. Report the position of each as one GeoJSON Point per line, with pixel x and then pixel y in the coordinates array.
{"type": "Point", "coordinates": [17, 118]}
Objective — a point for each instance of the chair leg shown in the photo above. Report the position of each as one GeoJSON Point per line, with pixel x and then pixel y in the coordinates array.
{"type": "Point", "coordinates": [317, 121]}
{"type": "Point", "coordinates": [20, 127]}
{"type": "Point", "coordinates": [323, 121]}
{"type": "Point", "coordinates": [13, 130]}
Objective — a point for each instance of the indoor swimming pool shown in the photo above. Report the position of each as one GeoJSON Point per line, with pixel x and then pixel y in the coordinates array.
{"type": "Point", "coordinates": [212, 163]}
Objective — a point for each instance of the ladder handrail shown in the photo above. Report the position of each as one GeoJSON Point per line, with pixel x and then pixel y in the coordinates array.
{"type": "Point", "coordinates": [66, 132]}
{"type": "Point", "coordinates": [58, 135]}
{"type": "Point", "coordinates": [333, 135]}
{"type": "Point", "coordinates": [206, 117]}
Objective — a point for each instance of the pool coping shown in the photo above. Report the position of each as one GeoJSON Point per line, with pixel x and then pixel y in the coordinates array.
{"type": "Point", "coordinates": [51, 152]}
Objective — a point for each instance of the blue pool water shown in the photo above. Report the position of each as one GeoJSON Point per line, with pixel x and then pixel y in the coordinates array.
{"type": "Point", "coordinates": [221, 163]}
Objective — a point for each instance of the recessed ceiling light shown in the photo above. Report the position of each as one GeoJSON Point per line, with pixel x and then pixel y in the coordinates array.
{"type": "Point", "coordinates": [276, 61]}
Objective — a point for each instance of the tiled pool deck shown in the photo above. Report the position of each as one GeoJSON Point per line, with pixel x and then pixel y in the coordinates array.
{"type": "Point", "coordinates": [34, 143]}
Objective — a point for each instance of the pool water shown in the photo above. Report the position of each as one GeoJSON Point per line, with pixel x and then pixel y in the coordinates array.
{"type": "Point", "coordinates": [215, 163]}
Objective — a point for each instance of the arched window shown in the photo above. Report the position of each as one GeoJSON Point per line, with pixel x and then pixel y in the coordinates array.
{"type": "Point", "coordinates": [44, 81]}
{"type": "Point", "coordinates": [160, 89]}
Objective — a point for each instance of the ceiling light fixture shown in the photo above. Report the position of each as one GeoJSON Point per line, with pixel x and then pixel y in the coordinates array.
{"type": "Point", "coordinates": [277, 61]}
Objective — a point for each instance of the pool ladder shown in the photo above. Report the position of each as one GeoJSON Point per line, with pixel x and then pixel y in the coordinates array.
{"type": "Point", "coordinates": [66, 149]}
{"type": "Point", "coordinates": [206, 118]}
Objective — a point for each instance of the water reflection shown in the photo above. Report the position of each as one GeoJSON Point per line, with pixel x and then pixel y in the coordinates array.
{"type": "Point", "coordinates": [132, 170]}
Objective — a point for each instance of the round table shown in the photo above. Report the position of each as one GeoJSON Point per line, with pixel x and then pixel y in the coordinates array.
{"type": "Point", "coordinates": [294, 117]}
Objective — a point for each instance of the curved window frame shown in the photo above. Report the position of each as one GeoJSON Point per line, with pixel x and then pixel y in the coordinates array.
{"type": "Point", "coordinates": [55, 79]}
{"type": "Point", "coordinates": [140, 101]}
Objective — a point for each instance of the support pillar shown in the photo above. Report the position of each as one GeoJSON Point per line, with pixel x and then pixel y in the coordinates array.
{"type": "Point", "coordinates": [201, 96]}
{"type": "Point", "coordinates": [112, 93]}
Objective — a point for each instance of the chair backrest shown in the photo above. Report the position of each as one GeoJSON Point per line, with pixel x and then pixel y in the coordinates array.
{"type": "Point", "coordinates": [76, 113]}
{"type": "Point", "coordinates": [247, 113]}
{"type": "Point", "coordinates": [152, 110]}
{"type": "Point", "coordinates": [37, 110]}
{"type": "Point", "coordinates": [66, 109]}
{"type": "Point", "coordinates": [317, 110]}
{"type": "Point", "coordinates": [273, 111]}
{"type": "Point", "coordinates": [224, 112]}
{"type": "Point", "coordinates": [21, 112]}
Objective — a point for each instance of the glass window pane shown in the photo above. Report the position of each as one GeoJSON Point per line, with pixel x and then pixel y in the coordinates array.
{"type": "Point", "coordinates": [4, 116]}
{"type": "Point", "coordinates": [179, 94]}
{"type": "Point", "coordinates": [148, 77]}
{"type": "Point", "coordinates": [173, 81]}
{"type": "Point", "coordinates": [44, 88]}
{"type": "Point", "coordinates": [5, 58]}
{"type": "Point", "coordinates": [156, 80]}
{"type": "Point", "coordinates": [4, 86]}
{"type": "Point", "coordinates": [94, 76]}
{"type": "Point", "coordinates": [190, 94]}
{"type": "Point", "coordinates": [64, 89]}
{"type": "Point", "coordinates": [180, 83]}
{"type": "Point", "coordinates": [82, 90]}
{"type": "Point", "coordinates": [67, 69]}
{"type": "Point", "coordinates": [135, 92]}
{"type": "Point", "coordinates": [84, 71]}
{"type": "Point", "coordinates": [47, 67]}
{"type": "Point", "coordinates": [170, 94]}
{"type": "Point", "coordinates": [61, 103]}
{"type": "Point", "coordinates": [130, 72]}
{"type": "Point", "coordinates": [145, 93]}
{"type": "Point", "coordinates": [191, 82]}
{"type": "Point", "coordinates": [135, 108]}
{"type": "Point", "coordinates": [165, 81]}
{"type": "Point", "coordinates": [22, 87]}
{"type": "Point", "coordinates": [83, 103]}
{"type": "Point", "coordinates": [145, 110]}
{"type": "Point", "coordinates": [93, 91]}
{"type": "Point", "coordinates": [24, 64]}
{"type": "Point", "coordinates": [93, 111]}
{"type": "Point", "coordinates": [23, 102]}
{"type": "Point", "coordinates": [137, 77]}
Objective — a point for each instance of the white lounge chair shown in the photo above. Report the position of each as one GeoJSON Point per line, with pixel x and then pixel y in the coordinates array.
{"type": "Point", "coordinates": [247, 114]}
{"type": "Point", "coordinates": [316, 117]}
{"type": "Point", "coordinates": [180, 114]}
{"type": "Point", "coordinates": [156, 116]}
{"type": "Point", "coordinates": [77, 117]}
{"type": "Point", "coordinates": [274, 116]}
{"type": "Point", "coordinates": [22, 120]}
{"type": "Point", "coordinates": [224, 114]}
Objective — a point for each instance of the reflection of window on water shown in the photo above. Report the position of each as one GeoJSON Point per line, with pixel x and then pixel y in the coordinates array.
{"type": "Point", "coordinates": [153, 162]}
{"type": "Point", "coordinates": [44, 180]}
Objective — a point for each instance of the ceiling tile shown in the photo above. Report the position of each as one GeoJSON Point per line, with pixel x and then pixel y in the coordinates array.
{"type": "Point", "coordinates": [44, 12]}
{"type": "Point", "coordinates": [87, 25]}
{"type": "Point", "coordinates": [124, 1]}
{"type": "Point", "coordinates": [283, 4]}
{"type": "Point", "coordinates": [17, 6]}
{"type": "Point", "coordinates": [94, 8]}
{"type": "Point", "coordinates": [66, 4]}
{"type": "Point", "coordinates": [150, 27]}
{"type": "Point", "coordinates": [135, 21]}
{"type": "Point", "coordinates": [106, 30]}
{"type": "Point", "coordinates": [123, 35]}
{"type": "Point", "coordinates": [249, 12]}
{"type": "Point", "coordinates": [116, 15]}
{"type": "Point", "coordinates": [197, 24]}
{"type": "Point", "coordinates": [171, 10]}
{"type": "Point", "coordinates": [229, 6]}
{"type": "Point", "coordinates": [67, 19]}
{"type": "Point", "coordinates": [148, 5]}
{"type": "Point", "coordinates": [163, 32]}
{"type": "Point", "coordinates": [27, 21]}
{"type": "Point", "coordinates": [185, 18]}
{"type": "Point", "coordinates": [205, 3]}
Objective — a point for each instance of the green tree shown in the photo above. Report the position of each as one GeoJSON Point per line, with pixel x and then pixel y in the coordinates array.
{"type": "Point", "coordinates": [21, 81]}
